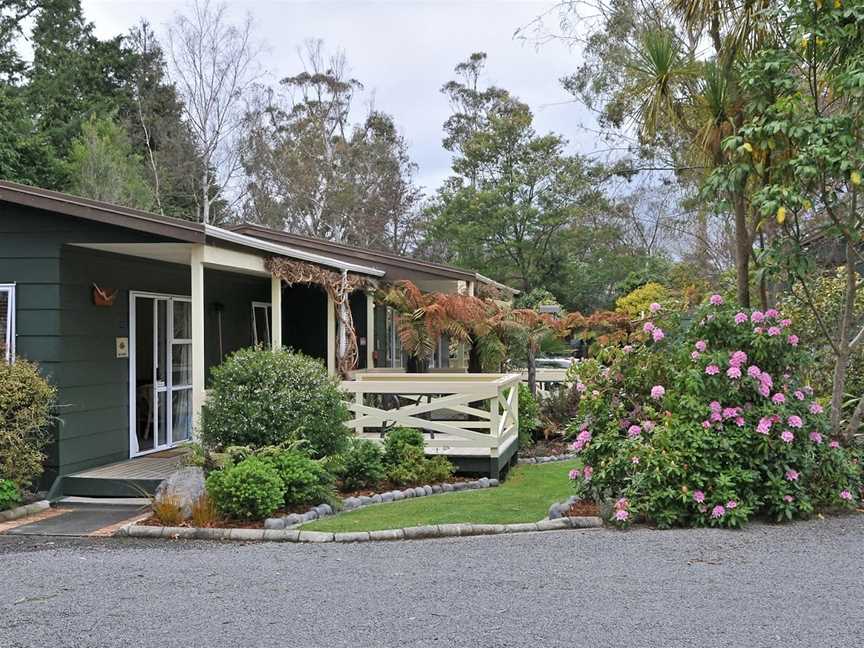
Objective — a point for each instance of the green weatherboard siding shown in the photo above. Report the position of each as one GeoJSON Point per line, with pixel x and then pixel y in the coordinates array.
{"type": "Point", "coordinates": [525, 496]}
{"type": "Point", "coordinates": [73, 340]}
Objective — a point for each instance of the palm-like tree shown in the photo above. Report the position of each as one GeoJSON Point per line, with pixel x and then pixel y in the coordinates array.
{"type": "Point", "coordinates": [679, 92]}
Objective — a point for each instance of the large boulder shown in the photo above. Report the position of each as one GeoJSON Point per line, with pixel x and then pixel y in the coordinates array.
{"type": "Point", "coordinates": [185, 485]}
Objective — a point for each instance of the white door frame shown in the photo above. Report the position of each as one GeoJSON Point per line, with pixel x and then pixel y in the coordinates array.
{"type": "Point", "coordinates": [169, 387]}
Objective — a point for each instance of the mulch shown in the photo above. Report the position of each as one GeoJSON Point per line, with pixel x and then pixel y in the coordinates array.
{"type": "Point", "coordinates": [580, 509]}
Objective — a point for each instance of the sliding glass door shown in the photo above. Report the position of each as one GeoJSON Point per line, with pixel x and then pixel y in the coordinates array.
{"type": "Point", "coordinates": [160, 371]}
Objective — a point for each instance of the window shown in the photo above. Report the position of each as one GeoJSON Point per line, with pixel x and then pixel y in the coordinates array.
{"type": "Point", "coordinates": [261, 316]}
{"type": "Point", "coordinates": [7, 322]}
{"type": "Point", "coordinates": [388, 346]}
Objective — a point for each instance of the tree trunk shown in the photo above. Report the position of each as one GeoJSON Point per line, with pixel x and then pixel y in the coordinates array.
{"type": "Point", "coordinates": [205, 199]}
{"type": "Point", "coordinates": [474, 364]}
{"type": "Point", "coordinates": [855, 421]}
{"type": "Point", "coordinates": [532, 369]}
{"type": "Point", "coordinates": [844, 351]}
{"type": "Point", "coordinates": [743, 249]}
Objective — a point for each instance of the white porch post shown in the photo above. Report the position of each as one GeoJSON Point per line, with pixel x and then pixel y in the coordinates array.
{"type": "Point", "coordinates": [370, 330]}
{"type": "Point", "coordinates": [276, 312]}
{"type": "Point", "coordinates": [197, 284]}
{"type": "Point", "coordinates": [331, 335]}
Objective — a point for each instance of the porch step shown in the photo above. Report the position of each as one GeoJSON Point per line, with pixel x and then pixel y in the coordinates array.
{"type": "Point", "coordinates": [75, 485]}
{"type": "Point", "coordinates": [138, 477]}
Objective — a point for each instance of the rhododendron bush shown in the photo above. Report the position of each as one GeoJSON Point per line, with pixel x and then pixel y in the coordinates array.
{"type": "Point", "coordinates": [706, 421]}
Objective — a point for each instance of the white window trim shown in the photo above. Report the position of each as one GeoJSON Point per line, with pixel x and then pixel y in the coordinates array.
{"type": "Point", "coordinates": [9, 333]}
{"type": "Point", "coordinates": [268, 315]}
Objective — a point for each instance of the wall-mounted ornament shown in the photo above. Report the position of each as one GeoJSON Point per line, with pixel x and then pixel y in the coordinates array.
{"type": "Point", "coordinates": [104, 296]}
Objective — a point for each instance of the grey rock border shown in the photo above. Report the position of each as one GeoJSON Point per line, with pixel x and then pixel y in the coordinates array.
{"type": "Point", "coordinates": [23, 511]}
{"type": "Point", "coordinates": [294, 520]}
{"type": "Point", "coordinates": [548, 459]}
{"type": "Point", "coordinates": [409, 533]}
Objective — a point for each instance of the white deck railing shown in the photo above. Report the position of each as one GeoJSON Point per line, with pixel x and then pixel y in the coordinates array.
{"type": "Point", "coordinates": [459, 414]}
{"type": "Point", "coordinates": [548, 381]}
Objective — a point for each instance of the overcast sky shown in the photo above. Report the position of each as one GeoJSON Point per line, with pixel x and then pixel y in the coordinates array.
{"type": "Point", "coordinates": [403, 51]}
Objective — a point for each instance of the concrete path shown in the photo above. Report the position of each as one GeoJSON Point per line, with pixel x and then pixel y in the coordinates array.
{"type": "Point", "coordinates": [785, 586]}
{"type": "Point", "coordinates": [80, 519]}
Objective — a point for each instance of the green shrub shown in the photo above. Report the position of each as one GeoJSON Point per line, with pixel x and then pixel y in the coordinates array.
{"type": "Point", "coordinates": [709, 423]}
{"type": "Point", "coordinates": [249, 490]}
{"type": "Point", "coordinates": [438, 469]}
{"type": "Point", "coordinates": [304, 480]}
{"type": "Point", "coordinates": [10, 495]}
{"type": "Point", "coordinates": [529, 416]}
{"type": "Point", "coordinates": [26, 402]}
{"type": "Point", "coordinates": [397, 441]}
{"type": "Point", "coordinates": [260, 398]}
{"type": "Point", "coordinates": [409, 469]}
{"type": "Point", "coordinates": [362, 465]}
{"type": "Point", "coordinates": [406, 463]}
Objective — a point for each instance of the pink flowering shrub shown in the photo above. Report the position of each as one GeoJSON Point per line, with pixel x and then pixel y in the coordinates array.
{"type": "Point", "coordinates": [709, 425]}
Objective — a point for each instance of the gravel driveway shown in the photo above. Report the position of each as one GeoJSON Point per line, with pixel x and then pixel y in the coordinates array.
{"type": "Point", "coordinates": [798, 585]}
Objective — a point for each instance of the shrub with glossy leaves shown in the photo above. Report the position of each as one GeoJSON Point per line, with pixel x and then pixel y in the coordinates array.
{"type": "Point", "coordinates": [707, 422]}
{"type": "Point", "coordinates": [249, 490]}
{"type": "Point", "coordinates": [304, 480]}
{"type": "Point", "coordinates": [260, 398]}
{"type": "Point", "coordinates": [26, 402]}
{"type": "Point", "coordinates": [10, 496]}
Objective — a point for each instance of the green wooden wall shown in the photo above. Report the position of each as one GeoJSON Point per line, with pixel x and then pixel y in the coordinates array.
{"type": "Point", "coordinates": [73, 340]}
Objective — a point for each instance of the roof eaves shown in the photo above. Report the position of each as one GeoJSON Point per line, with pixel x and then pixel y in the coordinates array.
{"type": "Point", "coordinates": [426, 266]}
{"type": "Point", "coordinates": [61, 203]}
{"type": "Point", "coordinates": [231, 236]}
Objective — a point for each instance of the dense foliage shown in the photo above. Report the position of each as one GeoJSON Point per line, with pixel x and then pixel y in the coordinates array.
{"type": "Point", "coordinates": [259, 398]}
{"type": "Point", "coordinates": [706, 422]}
{"type": "Point", "coordinates": [26, 403]}
{"type": "Point", "coordinates": [529, 416]}
{"type": "Point", "coordinates": [249, 490]}
{"type": "Point", "coordinates": [361, 465]}
{"type": "Point", "coordinates": [10, 494]}
{"type": "Point", "coordinates": [406, 462]}
{"type": "Point", "coordinates": [304, 480]}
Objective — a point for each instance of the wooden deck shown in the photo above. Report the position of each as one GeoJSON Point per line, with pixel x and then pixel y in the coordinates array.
{"type": "Point", "coordinates": [135, 477]}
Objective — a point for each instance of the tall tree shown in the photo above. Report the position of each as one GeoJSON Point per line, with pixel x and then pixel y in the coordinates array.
{"type": "Point", "coordinates": [803, 136]}
{"type": "Point", "coordinates": [154, 118]}
{"type": "Point", "coordinates": [103, 166]}
{"type": "Point", "coordinates": [214, 64]}
{"type": "Point", "coordinates": [667, 71]}
{"type": "Point", "coordinates": [510, 208]}
{"type": "Point", "coordinates": [73, 74]}
{"type": "Point", "coordinates": [313, 171]}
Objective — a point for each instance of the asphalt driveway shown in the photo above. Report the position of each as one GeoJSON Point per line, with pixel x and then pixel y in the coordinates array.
{"type": "Point", "coordinates": [797, 585]}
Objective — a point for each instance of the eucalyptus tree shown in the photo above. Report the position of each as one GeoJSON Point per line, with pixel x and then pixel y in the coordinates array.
{"type": "Point", "coordinates": [313, 170]}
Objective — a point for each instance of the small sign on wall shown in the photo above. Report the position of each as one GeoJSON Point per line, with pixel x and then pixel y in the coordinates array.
{"type": "Point", "coordinates": [122, 347]}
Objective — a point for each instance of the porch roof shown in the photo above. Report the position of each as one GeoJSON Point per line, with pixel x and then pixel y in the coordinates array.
{"type": "Point", "coordinates": [172, 228]}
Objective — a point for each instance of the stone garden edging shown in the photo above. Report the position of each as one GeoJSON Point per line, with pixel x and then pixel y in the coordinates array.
{"type": "Point", "coordinates": [293, 520]}
{"type": "Point", "coordinates": [23, 511]}
{"type": "Point", "coordinates": [548, 459]}
{"type": "Point", "coordinates": [409, 533]}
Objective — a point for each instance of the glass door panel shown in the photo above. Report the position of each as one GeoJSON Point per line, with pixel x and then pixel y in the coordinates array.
{"type": "Point", "coordinates": [161, 368]}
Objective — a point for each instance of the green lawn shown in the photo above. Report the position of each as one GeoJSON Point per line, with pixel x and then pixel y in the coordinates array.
{"type": "Point", "coordinates": [524, 497]}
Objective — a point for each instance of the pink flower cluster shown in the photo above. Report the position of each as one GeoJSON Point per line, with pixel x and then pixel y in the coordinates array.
{"type": "Point", "coordinates": [634, 431]}
{"type": "Point", "coordinates": [581, 440]}
{"type": "Point", "coordinates": [656, 332]}
{"type": "Point", "coordinates": [622, 513]}
{"type": "Point", "coordinates": [716, 300]}
{"type": "Point", "coordinates": [657, 392]}
{"type": "Point", "coordinates": [791, 475]}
